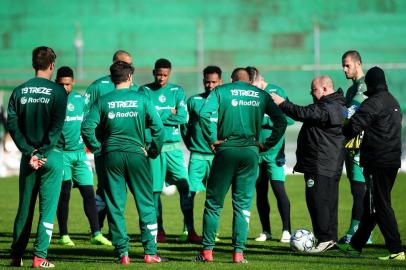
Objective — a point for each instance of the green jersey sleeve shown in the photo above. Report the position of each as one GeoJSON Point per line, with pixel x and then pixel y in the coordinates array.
{"type": "Point", "coordinates": [207, 114]}
{"type": "Point", "coordinates": [14, 128]}
{"type": "Point", "coordinates": [88, 129]}
{"type": "Point", "coordinates": [154, 123]}
{"type": "Point", "coordinates": [279, 123]}
{"type": "Point", "coordinates": [180, 117]}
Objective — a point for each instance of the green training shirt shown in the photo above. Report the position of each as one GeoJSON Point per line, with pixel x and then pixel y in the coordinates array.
{"type": "Point", "coordinates": [99, 88]}
{"type": "Point", "coordinates": [122, 115]}
{"type": "Point", "coordinates": [73, 120]}
{"type": "Point", "coordinates": [36, 114]}
{"type": "Point", "coordinates": [240, 109]}
{"type": "Point", "coordinates": [192, 132]}
{"type": "Point", "coordinates": [164, 100]}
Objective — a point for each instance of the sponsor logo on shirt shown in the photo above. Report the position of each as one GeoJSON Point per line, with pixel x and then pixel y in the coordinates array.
{"type": "Point", "coordinates": [158, 108]}
{"type": "Point", "coordinates": [112, 115]}
{"type": "Point", "coordinates": [25, 100]}
{"type": "Point", "coordinates": [71, 107]}
{"type": "Point", "coordinates": [123, 104]}
{"type": "Point", "coordinates": [74, 118]}
{"type": "Point", "coordinates": [244, 93]}
{"type": "Point", "coordinates": [252, 103]}
{"type": "Point", "coordinates": [162, 98]}
{"type": "Point", "coordinates": [174, 88]}
{"type": "Point", "coordinates": [36, 90]}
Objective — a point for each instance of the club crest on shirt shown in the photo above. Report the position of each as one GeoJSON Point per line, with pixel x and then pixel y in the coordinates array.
{"type": "Point", "coordinates": [310, 183]}
{"type": "Point", "coordinates": [71, 107]}
{"type": "Point", "coordinates": [162, 98]}
{"type": "Point", "coordinates": [111, 115]}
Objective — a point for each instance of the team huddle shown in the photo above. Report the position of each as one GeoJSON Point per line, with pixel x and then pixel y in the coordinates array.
{"type": "Point", "coordinates": [235, 135]}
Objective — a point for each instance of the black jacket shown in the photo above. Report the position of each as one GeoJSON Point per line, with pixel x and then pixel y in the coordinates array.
{"type": "Point", "coordinates": [381, 119]}
{"type": "Point", "coordinates": [320, 147]}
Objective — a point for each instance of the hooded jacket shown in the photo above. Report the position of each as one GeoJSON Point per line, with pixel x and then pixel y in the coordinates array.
{"type": "Point", "coordinates": [380, 118]}
{"type": "Point", "coordinates": [320, 148]}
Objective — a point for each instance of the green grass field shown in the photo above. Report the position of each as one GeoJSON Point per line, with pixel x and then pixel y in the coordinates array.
{"type": "Point", "coordinates": [268, 255]}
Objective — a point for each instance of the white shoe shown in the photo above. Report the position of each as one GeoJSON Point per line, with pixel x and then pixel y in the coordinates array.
{"type": "Point", "coordinates": [285, 237]}
{"type": "Point", "coordinates": [263, 237]}
{"type": "Point", "coordinates": [323, 246]}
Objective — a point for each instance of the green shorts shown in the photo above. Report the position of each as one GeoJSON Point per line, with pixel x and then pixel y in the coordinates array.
{"type": "Point", "coordinates": [76, 167]}
{"type": "Point", "coordinates": [354, 171]}
{"type": "Point", "coordinates": [169, 168]}
{"type": "Point", "coordinates": [273, 170]}
{"type": "Point", "coordinates": [199, 170]}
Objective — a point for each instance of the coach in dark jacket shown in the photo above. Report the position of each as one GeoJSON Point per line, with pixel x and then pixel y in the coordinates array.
{"type": "Point", "coordinates": [320, 155]}
{"type": "Point", "coordinates": [380, 118]}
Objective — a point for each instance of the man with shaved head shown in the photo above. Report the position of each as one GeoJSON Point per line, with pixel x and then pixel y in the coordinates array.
{"type": "Point", "coordinates": [320, 155]}
{"type": "Point", "coordinates": [231, 123]}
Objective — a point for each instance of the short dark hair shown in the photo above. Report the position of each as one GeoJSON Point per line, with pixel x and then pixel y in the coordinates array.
{"type": "Point", "coordinates": [42, 57]}
{"type": "Point", "coordinates": [355, 56]}
{"type": "Point", "coordinates": [119, 72]}
{"type": "Point", "coordinates": [240, 74]}
{"type": "Point", "coordinates": [162, 63]}
{"type": "Point", "coordinates": [253, 73]}
{"type": "Point", "coordinates": [211, 70]}
{"type": "Point", "coordinates": [64, 71]}
{"type": "Point", "coordinates": [118, 53]}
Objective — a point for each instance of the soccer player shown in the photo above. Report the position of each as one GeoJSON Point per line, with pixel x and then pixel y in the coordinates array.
{"type": "Point", "coordinates": [123, 115]}
{"type": "Point", "coordinates": [76, 166]}
{"type": "Point", "coordinates": [240, 108]}
{"type": "Point", "coordinates": [201, 155]}
{"type": "Point", "coordinates": [380, 117]}
{"type": "Point", "coordinates": [169, 167]}
{"type": "Point", "coordinates": [36, 113]}
{"type": "Point", "coordinates": [352, 67]}
{"type": "Point", "coordinates": [97, 89]}
{"type": "Point", "coordinates": [271, 169]}
{"type": "Point", "coordinates": [320, 155]}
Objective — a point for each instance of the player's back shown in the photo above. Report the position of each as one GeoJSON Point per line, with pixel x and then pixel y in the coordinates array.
{"type": "Point", "coordinates": [123, 120]}
{"type": "Point", "coordinates": [35, 104]}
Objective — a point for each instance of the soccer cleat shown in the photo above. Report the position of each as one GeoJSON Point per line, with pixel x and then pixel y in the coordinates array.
{"type": "Point", "coordinates": [238, 257]}
{"type": "Point", "coordinates": [124, 260]}
{"type": "Point", "coordinates": [161, 237]}
{"type": "Point", "coordinates": [152, 258]}
{"type": "Point", "coordinates": [395, 256]}
{"type": "Point", "coordinates": [38, 262]}
{"type": "Point", "coordinates": [192, 237]}
{"type": "Point", "coordinates": [100, 240]}
{"type": "Point", "coordinates": [322, 246]}
{"type": "Point", "coordinates": [346, 239]}
{"type": "Point", "coordinates": [285, 237]}
{"type": "Point", "coordinates": [205, 256]}
{"type": "Point", "coordinates": [263, 237]}
{"type": "Point", "coordinates": [348, 250]}
{"type": "Point", "coordinates": [16, 261]}
{"type": "Point", "coordinates": [65, 241]}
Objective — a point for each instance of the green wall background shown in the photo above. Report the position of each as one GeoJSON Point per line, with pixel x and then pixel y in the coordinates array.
{"type": "Point", "coordinates": [277, 36]}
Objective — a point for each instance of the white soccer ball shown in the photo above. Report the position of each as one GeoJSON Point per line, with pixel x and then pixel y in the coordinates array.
{"type": "Point", "coordinates": [168, 190]}
{"type": "Point", "coordinates": [302, 240]}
